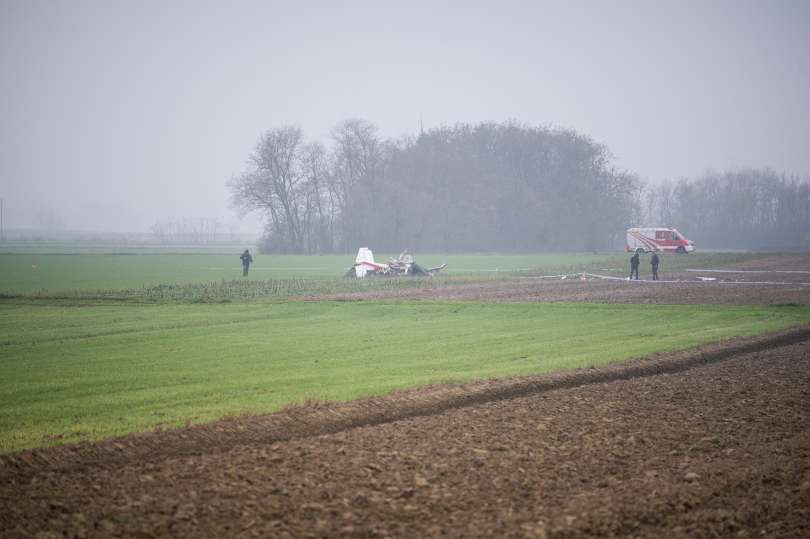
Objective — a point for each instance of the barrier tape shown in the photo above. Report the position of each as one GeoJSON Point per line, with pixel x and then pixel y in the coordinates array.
{"type": "Point", "coordinates": [680, 281]}
{"type": "Point", "coordinates": [746, 271]}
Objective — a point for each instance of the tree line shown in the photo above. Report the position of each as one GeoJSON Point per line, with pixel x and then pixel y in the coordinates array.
{"type": "Point", "coordinates": [742, 209]}
{"type": "Point", "coordinates": [466, 188]}
{"type": "Point", "coordinates": [493, 187]}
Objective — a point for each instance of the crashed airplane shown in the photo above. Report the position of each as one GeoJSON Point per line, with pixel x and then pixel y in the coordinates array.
{"type": "Point", "coordinates": [364, 266]}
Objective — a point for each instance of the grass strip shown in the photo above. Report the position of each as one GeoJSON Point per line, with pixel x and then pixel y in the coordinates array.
{"type": "Point", "coordinates": [158, 277]}
{"type": "Point", "coordinates": [75, 373]}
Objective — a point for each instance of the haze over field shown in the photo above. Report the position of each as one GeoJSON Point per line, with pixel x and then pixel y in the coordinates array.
{"type": "Point", "coordinates": [117, 115]}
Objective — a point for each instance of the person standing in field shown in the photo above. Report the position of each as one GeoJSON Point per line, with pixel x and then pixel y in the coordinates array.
{"type": "Point", "coordinates": [246, 261]}
{"type": "Point", "coordinates": [634, 266]}
{"type": "Point", "coordinates": [654, 263]}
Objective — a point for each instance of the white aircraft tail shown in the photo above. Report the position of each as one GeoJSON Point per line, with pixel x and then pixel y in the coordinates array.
{"type": "Point", "coordinates": [364, 261]}
{"type": "Point", "coordinates": [364, 254]}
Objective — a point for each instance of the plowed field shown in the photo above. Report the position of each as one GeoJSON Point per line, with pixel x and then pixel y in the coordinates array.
{"type": "Point", "coordinates": [706, 442]}
{"type": "Point", "coordinates": [766, 281]}
{"type": "Point", "coordinates": [709, 442]}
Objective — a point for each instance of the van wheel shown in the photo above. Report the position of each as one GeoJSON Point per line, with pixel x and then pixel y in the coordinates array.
{"type": "Point", "coordinates": [681, 250]}
{"type": "Point", "coordinates": [640, 251]}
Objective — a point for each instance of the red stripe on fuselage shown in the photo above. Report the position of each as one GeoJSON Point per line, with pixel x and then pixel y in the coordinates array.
{"type": "Point", "coordinates": [372, 265]}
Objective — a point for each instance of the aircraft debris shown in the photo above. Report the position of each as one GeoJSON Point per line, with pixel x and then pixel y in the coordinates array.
{"type": "Point", "coordinates": [365, 266]}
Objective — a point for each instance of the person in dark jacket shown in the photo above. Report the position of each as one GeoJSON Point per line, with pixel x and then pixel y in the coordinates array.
{"type": "Point", "coordinates": [654, 263]}
{"type": "Point", "coordinates": [634, 266]}
{"type": "Point", "coordinates": [246, 261]}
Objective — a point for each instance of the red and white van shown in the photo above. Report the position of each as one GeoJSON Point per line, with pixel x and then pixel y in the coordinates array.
{"type": "Point", "coordinates": [646, 240]}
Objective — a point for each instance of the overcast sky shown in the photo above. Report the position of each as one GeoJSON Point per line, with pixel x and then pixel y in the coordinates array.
{"type": "Point", "coordinates": [116, 114]}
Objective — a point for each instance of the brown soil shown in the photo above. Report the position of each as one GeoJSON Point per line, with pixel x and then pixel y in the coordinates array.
{"type": "Point", "coordinates": [707, 442]}
{"type": "Point", "coordinates": [598, 290]}
{"type": "Point", "coordinates": [675, 288]}
{"type": "Point", "coordinates": [783, 261]}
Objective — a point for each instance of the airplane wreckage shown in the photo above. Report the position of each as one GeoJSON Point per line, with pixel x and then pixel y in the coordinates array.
{"type": "Point", "coordinates": [364, 266]}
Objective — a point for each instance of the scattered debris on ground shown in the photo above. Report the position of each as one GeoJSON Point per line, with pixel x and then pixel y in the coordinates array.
{"type": "Point", "coordinates": [365, 266]}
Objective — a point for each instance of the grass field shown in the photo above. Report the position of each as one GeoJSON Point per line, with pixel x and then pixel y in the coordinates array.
{"type": "Point", "coordinates": [84, 371]}
{"type": "Point", "coordinates": [55, 272]}
{"type": "Point", "coordinates": [103, 341]}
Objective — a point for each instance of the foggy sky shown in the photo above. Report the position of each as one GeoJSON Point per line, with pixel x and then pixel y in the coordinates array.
{"type": "Point", "coordinates": [116, 114]}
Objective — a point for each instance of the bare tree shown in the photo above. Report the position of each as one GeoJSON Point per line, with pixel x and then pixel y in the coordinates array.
{"type": "Point", "coordinates": [748, 208]}
{"type": "Point", "coordinates": [486, 187]}
{"type": "Point", "coordinates": [271, 184]}
{"type": "Point", "coordinates": [320, 203]}
{"type": "Point", "coordinates": [357, 157]}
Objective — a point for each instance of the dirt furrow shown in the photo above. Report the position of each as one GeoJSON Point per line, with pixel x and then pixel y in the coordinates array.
{"type": "Point", "coordinates": [718, 446]}
{"type": "Point", "coordinates": [328, 418]}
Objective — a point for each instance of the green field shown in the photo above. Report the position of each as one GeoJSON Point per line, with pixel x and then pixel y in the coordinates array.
{"type": "Point", "coordinates": [110, 341]}
{"type": "Point", "coordinates": [91, 371]}
{"type": "Point", "coordinates": [60, 270]}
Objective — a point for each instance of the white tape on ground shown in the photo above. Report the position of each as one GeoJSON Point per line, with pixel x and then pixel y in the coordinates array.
{"type": "Point", "coordinates": [758, 282]}
{"type": "Point", "coordinates": [745, 271]}
{"type": "Point", "coordinates": [496, 270]}
{"type": "Point", "coordinates": [561, 276]}
{"type": "Point", "coordinates": [612, 278]}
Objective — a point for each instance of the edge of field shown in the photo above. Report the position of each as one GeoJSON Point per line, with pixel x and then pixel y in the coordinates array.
{"type": "Point", "coordinates": [316, 418]}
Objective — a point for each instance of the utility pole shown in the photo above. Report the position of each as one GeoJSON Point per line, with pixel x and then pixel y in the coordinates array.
{"type": "Point", "coordinates": [2, 230]}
